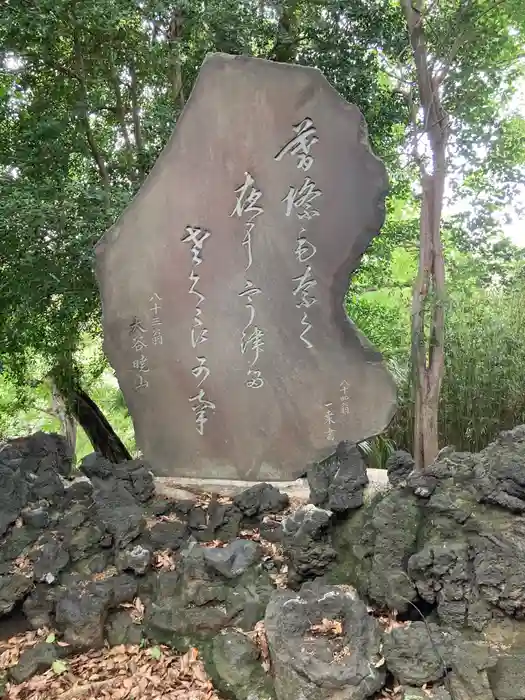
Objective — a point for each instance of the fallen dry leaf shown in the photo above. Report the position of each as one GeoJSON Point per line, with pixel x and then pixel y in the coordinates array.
{"type": "Point", "coordinates": [328, 628]}
{"type": "Point", "coordinates": [119, 673]}
{"type": "Point", "coordinates": [164, 560]}
{"type": "Point", "coordinates": [258, 636]}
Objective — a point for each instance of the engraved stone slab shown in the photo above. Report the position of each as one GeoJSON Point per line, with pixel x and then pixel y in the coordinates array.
{"type": "Point", "coordinates": [223, 281]}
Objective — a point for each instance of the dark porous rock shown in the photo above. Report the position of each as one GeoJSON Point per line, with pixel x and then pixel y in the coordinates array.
{"type": "Point", "coordinates": [48, 450]}
{"type": "Point", "coordinates": [85, 539]}
{"type": "Point", "coordinates": [443, 576]}
{"type": "Point", "coordinates": [75, 516]}
{"type": "Point", "coordinates": [195, 602]}
{"type": "Point", "coordinates": [94, 465]}
{"type": "Point", "coordinates": [142, 481]}
{"type": "Point", "coordinates": [52, 559]}
{"type": "Point", "coordinates": [80, 490]}
{"type": "Point", "coordinates": [82, 609]}
{"type": "Point", "coordinates": [39, 606]}
{"type": "Point", "coordinates": [122, 629]}
{"type": "Point", "coordinates": [118, 511]}
{"type": "Point", "coordinates": [36, 517]}
{"type": "Point", "coordinates": [507, 677]}
{"type": "Point", "coordinates": [414, 654]}
{"type": "Point", "coordinates": [499, 568]}
{"type": "Point", "coordinates": [422, 484]}
{"type": "Point", "coordinates": [399, 466]}
{"type": "Point", "coordinates": [470, 663]}
{"type": "Point", "coordinates": [13, 589]}
{"type": "Point", "coordinates": [260, 499]}
{"type": "Point", "coordinates": [13, 495]}
{"type": "Point", "coordinates": [235, 669]}
{"type": "Point", "coordinates": [185, 606]}
{"type": "Point", "coordinates": [271, 529]}
{"type": "Point", "coordinates": [373, 547]}
{"type": "Point", "coordinates": [306, 542]}
{"type": "Point", "coordinates": [161, 505]}
{"type": "Point", "coordinates": [338, 483]}
{"type": "Point", "coordinates": [234, 559]}
{"type": "Point", "coordinates": [122, 588]}
{"type": "Point", "coordinates": [17, 542]}
{"type": "Point", "coordinates": [136, 559]}
{"type": "Point", "coordinates": [182, 508]}
{"type": "Point", "coordinates": [95, 562]}
{"type": "Point", "coordinates": [323, 667]}
{"type": "Point", "coordinates": [224, 521]}
{"type": "Point", "coordinates": [35, 660]}
{"type": "Point", "coordinates": [424, 653]}
{"type": "Point", "coordinates": [48, 485]}
{"type": "Point", "coordinates": [169, 535]}
{"type": "Point", "coordinates": [80, 615]}
{"type": "Point", "coordinates": [499, 473]}
{"type": "Point", "coordinates": [197, 518]}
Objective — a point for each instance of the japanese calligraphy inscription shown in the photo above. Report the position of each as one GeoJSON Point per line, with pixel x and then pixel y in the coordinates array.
{"type": "Point", "coordinates": [223, 282]}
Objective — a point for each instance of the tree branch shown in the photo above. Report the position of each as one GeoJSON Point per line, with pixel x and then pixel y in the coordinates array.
{"type": "Point", "coordinates": [174, 38]}
{"type": "Point", "coordinates": [93, 147]}
{"type": "Point", "coordinates": [120, 108]}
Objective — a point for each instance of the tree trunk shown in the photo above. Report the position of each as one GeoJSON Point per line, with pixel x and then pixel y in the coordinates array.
{"type": "Point", "coordinates": [97, 428]}
{"type": "Point", "coordinates": [428, 311]}
{"type": "Point", "coordinates": [175, 38]}
{"type": "Point", "coordinates": [59, 409]}
{"type": "Point", "coordinates": [285, 47]}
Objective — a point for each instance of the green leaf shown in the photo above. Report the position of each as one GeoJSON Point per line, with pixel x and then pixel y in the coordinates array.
{"type": "Point", "coordinates": [155, 653]}
{"type": "Point", "coordinates": [59, 667]}
{"type": "Point", "coordinates": [51, 638]}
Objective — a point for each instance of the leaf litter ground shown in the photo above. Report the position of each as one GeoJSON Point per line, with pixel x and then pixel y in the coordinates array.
{"type": "Point", "coordinates": [125, 672]}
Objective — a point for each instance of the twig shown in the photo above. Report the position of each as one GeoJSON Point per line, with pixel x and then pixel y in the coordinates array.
{"type": "Point", "coordinates": [78, 690]}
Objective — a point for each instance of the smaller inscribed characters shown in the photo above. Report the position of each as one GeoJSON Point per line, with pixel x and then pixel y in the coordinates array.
{"type": "Point", "coordinates": [156, 323]}
{"type": "Point", "coordinates": [345, 409]}
{"type": "Point", "coordinates": [329, 420]}
{"type": "Point", "coordinates": [137, 332]}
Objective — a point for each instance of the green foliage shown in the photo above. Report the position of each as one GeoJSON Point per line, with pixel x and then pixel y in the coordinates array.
{"type": "Point", "coordinates": [482, 389]}
{"type": "Point", "coordinates": [59, 667]}
{"type": "Point", "coordinates": [89, 95]}
{"type": "Point", "coordinates": [377, 451]}
{"type": "Point", "coordinates": [155, 653]}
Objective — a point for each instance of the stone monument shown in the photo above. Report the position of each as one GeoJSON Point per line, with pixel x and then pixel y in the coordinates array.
{"type": "Point", "coordinates": [223, 282]}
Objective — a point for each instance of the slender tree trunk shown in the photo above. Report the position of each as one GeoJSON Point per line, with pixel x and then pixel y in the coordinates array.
{"type": "Point", "coordinates": [97, 428]}
{"type": "Point", "coordinates": [98, 157]}
{"type": "Point", "coordinates": [428, 310]}
{"type": "Point", "coordinates": [121, 112]}
{"type": "Point", "coordinates": [175, 38]}
{"type": "Point", "coordinates": [85, 411]}
{"type": "Point", "coordinates": [135, 111]}
{"type": "Point", "coordinates": [59, 409]}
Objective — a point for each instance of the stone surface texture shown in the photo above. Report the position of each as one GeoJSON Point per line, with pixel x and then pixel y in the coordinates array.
{"type": "Point", "coordinates": [320, 668]}
{"type": "Point", "coordinates": [421, 588]}
{"type": "Point", "coordinates": [223, 281]}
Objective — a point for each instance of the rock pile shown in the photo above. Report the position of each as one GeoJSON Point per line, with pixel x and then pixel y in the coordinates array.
{"type": "Point", "coordinates": [418, 592]}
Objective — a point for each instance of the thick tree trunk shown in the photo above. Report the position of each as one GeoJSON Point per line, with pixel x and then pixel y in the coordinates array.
{"type": "Point", "coordinates": [97, 428]}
